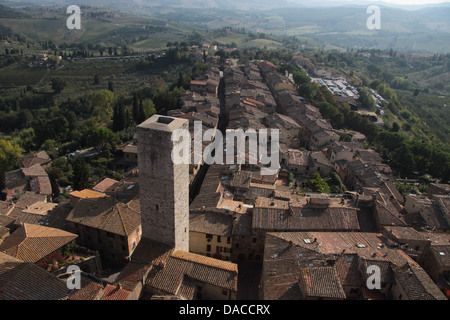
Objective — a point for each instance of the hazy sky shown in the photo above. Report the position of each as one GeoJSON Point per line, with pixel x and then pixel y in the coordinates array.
{"type": "Point", "coordinates": [411, 1]}
{"type": "Point", "coordinates": [401, 2]}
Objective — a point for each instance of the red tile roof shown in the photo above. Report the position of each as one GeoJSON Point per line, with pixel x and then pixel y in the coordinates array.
{"type": "Point", "coordinates": [321, 282]}
{"type": "Point", "coordinates": [27, 281]}
{"type": "Point", "coordinates": [31, 243]}
{"type": "Point", "coordinates": [105, 184]}
{"type": "Point", "coordinates": [115, 293]}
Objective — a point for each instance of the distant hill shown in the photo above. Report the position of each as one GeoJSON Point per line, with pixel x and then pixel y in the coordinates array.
{"type": "Point", "coordinates": [425, 29]}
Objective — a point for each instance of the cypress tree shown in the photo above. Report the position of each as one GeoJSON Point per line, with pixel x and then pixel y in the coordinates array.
{"type": "Point", "coordinates": [80, 174]}
{"type": "Point", "coordinates": [135, 109]}
{"type": "Point", "coordinates": [142, 116]}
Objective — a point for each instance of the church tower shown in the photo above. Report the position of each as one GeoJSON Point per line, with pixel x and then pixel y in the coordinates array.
{"type": "Point", "coordinates": [163, 185]}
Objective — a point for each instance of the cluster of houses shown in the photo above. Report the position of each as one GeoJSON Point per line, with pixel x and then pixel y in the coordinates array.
{"type": "Point", "coordinates": [302, 245]}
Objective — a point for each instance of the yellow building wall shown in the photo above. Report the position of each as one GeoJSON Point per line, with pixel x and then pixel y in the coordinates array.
{"type": "Point", "coordinates": [198, 243]}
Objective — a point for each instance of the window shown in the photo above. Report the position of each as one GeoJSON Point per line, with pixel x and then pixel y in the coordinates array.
{"type": "Point", "coordinates": [209, 236]}
{"type": "Point", "coordinates": [228, 240]}
{"type": "Point", "coordinates": [254, 240]}
{"type": "Point", "coordinates": [208, 247]}
{"type": "Point", "coordinates": [237, 245]}
{"type": "Point", "coordinates": [219, 239]}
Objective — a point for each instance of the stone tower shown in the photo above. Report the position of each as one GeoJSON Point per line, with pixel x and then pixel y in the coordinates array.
{"type": "Point", "coordinates": [163, 185]}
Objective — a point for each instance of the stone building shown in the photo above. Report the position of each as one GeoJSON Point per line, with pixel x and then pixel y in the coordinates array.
{"type": "Point", "coordinates": [164, 192]}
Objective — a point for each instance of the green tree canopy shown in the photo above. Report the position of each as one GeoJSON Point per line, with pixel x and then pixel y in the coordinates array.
{"type": "Point", "coordinates": [9, 156]}
{"type": "Point", "coordinates": [101, 137]}
{"type": "Point", "coordinates": [101, 104]}
{"type": "Point", "coordinates": [319, 184]}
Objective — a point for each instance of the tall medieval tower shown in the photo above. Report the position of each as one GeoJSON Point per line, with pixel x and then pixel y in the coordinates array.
{"type": "Point", "coordinates": [164, 186]}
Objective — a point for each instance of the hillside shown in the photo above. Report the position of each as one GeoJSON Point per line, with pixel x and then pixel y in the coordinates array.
{"type": "Point", "coordinates": [109, 27]}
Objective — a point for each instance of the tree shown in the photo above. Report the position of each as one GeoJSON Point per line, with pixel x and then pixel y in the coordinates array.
{"type": "Point", "coordinates": [135, 108]}
{"type": "Point", "coordinates": [119, 117]}
{"type": "Point", "coordinates": [9, 155]}
{"type": "Point", "coordinates": [300, 78]}
{"type": "Point", "coordinates": [58, 84]}
{"type": "Point", "coordinates": [366, 99]}
{"type": "Point", "coordinates": [141, 113]}
{"type": "Point", "coordinates": [395, 127]}
{"type": "Point", "coordinates": [101, 104]}
{"type": "Point", "coordinates": [308, 91]}
{"type": "Point", "coordinates": [319, 184]}
{"type": "Point", "coordinates": [101, 137]}
{"type": "Point", "coordinates": [81, 174]}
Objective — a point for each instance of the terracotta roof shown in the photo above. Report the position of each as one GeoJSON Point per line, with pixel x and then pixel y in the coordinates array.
{"type": "Point", "coordinates": [106, 214]}
{"type": "Point", "coordinates": [87, 194]}
{"type": "Point", "coordinates": [37, 158]}
{"type": "Point", "coordinates": [442, 254]}
{"type": "Point", "coordinates": [199, 82]}
{"type": "Point", "coordinates": [306, 218]}
{"type": "Point", "coordinates": [7, 258]}
{"type": "Point", "coordinates": [299, 158]}
{"type": "Point", "coordinates": [349, 253]}
{"type": "Point", "coordinates": [31, 243]}
{"type": "Point", "coordinates": [212, 223]}
{"type": "Point", "coordinates": [209, 195]}
{"type": "Point", "coordinates": [96, 290]}
{"type": "Point", "coordinates": [40, 212]}
{"type": "Point", "coordinates": [89, 291]}
{"type": "Point", "coordinates": [27, 281]}
{"type": "Point", "coordinates": [417, 285]}
{"type": "Point", "coordinates": [41, 208]}
{"type": "Point", "coordinates": [405, 233]}
{"type": "Point", "coordinates": [151, 252]}
{"type": "Point", "coordinates": [15, 179]}
{"type": "Point", "coordinates": [132, 275]}
{"type": "Point", "coordinates": [105, 184]}
{"type": "Point", "coordinates": [171, 276]}
{"type": "Point", "coordinates": [321, 282]}
{"type": "Point", "coordinates": [34, 171]}
{"type": "Point", "coordinates": [111, 292]}
{"type": "Point", "coordinates": [41, 185]}
{"type": "Point", "coordinates": [210, 262]}
{"type": "Point", "coordinates": [6, 207]}
{"type": "Point", "coordinates": [347, 270]}
{"type": "Point", "coordinates": [30, 198]}
{"type": "Point", "coordinates": [242, 224]}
